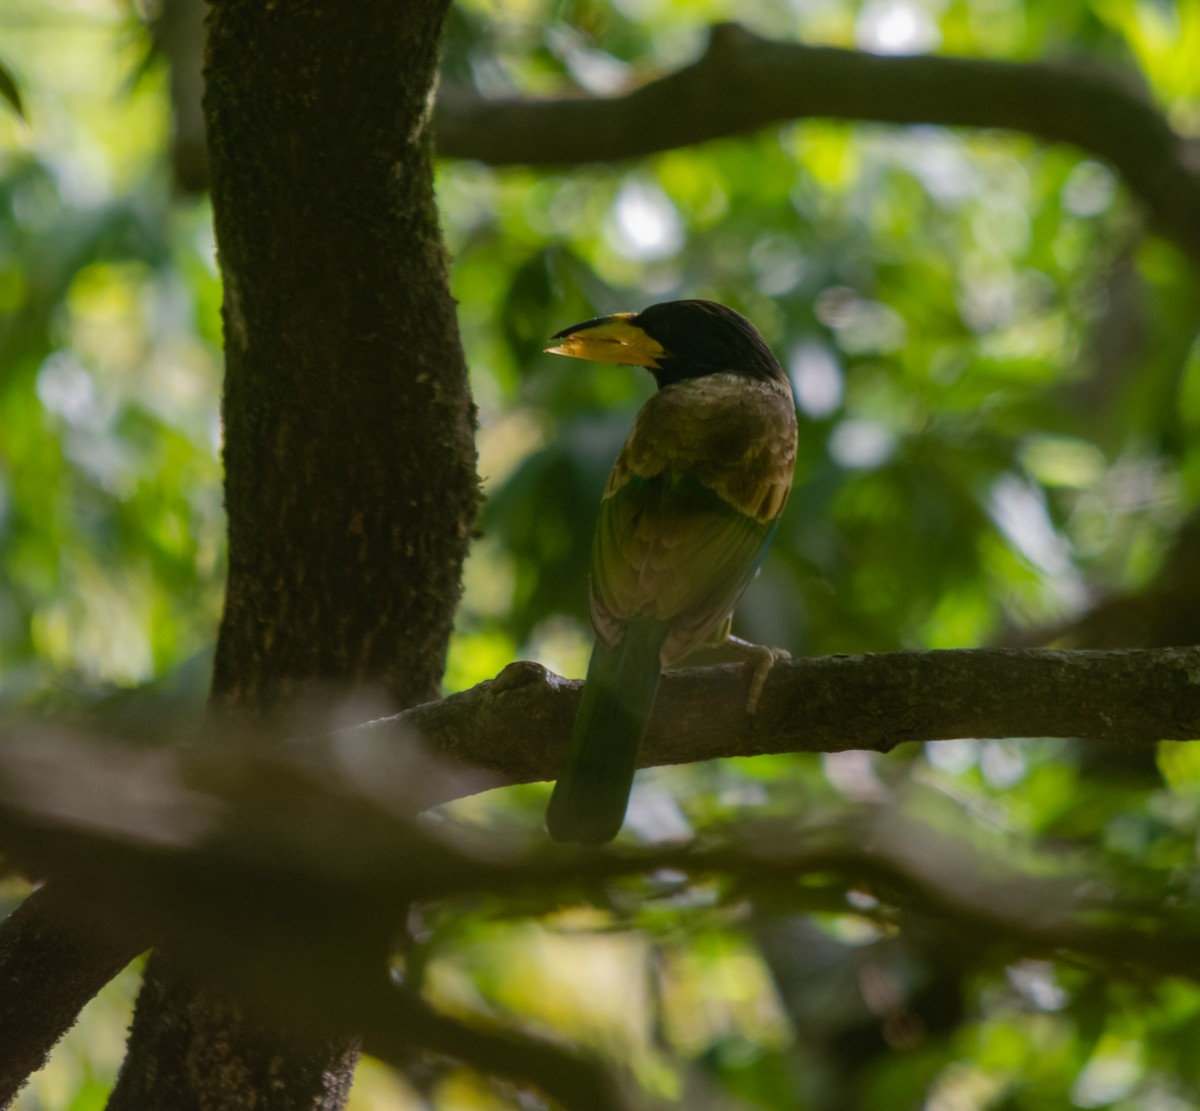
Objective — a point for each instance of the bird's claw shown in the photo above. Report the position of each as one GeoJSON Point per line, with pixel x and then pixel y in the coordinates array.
{"type": "Point", "coordinates": [763, 660]}
{"type": "Point", "coordinates": [760, 658]}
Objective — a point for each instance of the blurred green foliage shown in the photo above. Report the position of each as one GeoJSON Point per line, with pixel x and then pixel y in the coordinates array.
{"type": "Point", "coordinates": [110, 509]}
{"type": "Point", "coordinates": [998, 374]}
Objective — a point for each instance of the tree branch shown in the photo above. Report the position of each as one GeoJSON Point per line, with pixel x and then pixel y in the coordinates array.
{"type": "Point", "coordinates": [257, 864]}
{"type": "Point", "coordinates": [294, 916]}
{"type": "Point", "coordinates": [85, 806]}
{"type": "Point", "coordinates": [744, 82]}
{"type": "Point", "coordinates": [392, 1021]}
{"type": "Point", "coordinates": [263, 880]}
{"type": "Point", "coordinates": [513, 727]}
{"type": "Point", "coordinates": [52, 962]}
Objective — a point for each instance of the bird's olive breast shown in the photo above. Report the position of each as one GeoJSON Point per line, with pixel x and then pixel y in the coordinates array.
{"type": "Point", "coordinates": [733, 435]}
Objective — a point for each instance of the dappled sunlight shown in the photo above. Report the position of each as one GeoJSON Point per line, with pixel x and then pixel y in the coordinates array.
{"type": "Point", "coordinates": [896, 27]}
{"type": "Point", "coordinates": [992, 344]}
{"type": "Point", "coordinates": [646, 223]}
{"type": "Point", "coordinates": [111, 371]}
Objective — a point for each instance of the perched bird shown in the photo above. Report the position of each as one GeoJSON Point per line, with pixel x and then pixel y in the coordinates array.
{"type": "Point", "coordinates": [688, 513]}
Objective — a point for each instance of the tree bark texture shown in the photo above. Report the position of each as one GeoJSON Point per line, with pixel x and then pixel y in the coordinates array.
{"type": "Point", "coordinates": [51, 964]}
{"type": "Point", "coordinates": [349, 451]}
{"type": "Point", "coordinates": [349, 455]}
{"type": "Point", "coordinates": [511, 729]}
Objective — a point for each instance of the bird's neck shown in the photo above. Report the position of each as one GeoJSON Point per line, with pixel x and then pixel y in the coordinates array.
{"type": "Point", "coordinates": [670, 372]}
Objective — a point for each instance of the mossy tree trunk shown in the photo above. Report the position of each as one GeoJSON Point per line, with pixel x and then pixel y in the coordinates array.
{"type": "Point", "coordinates": [349, 450]}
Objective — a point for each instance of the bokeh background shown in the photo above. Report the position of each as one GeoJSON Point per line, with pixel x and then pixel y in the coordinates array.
{"type": "Point", "coordinates": [998, 376]}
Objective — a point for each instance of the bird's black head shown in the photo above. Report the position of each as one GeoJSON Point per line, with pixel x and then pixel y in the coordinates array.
{"type": "Point", "coordinates": [703, 337]}
{"type": "Point", "coordinates": [674, 340]}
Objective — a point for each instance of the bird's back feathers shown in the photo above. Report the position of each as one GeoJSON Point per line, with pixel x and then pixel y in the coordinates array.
{"type": "Point", "coordinates": [691, 506]}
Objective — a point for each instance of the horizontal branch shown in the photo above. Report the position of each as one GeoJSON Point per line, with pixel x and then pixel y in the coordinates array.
{"type": "Point", "coordinates": [744, 82]}
{"type": "Point", "coordinates": [284, 882]}
{"type": "Point", "coordinates": [513, 727]}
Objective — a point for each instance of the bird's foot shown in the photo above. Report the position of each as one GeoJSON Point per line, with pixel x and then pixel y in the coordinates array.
{"type": "Point", "coordinates": [760, 658]}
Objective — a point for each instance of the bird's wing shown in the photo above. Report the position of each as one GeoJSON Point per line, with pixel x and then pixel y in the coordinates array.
{"type": "Point", "coordinates": [691, 506]}
{"type": "Point", "coordinates": [673, 551]}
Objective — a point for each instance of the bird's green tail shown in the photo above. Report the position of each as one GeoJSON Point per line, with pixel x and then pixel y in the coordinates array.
{"type": "Point", "coordinates": [589, 799]}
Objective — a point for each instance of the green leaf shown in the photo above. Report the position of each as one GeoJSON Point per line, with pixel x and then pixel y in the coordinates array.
{"type": "Point", "coordinates": [11, 91]}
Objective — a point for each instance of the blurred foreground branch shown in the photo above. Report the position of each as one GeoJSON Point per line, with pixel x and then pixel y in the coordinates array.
{"type": "Point", "coordinates": [281, 872]}
{"type": "Point", "coordinates": [271, 878]}
{"type": "Point", "coordinates": [743, 82]}
{"type": "Point", "coordinates": [281, 880]}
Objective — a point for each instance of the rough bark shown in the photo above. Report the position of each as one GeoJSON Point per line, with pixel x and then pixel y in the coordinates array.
{"type": "Point", "coordinates": [350, 483]}
{"type": "Point", "coordinates": [511, 728]}
{"type": "Point", "coordinates": [744, 82]}
{"type": "Point", "coordinates": [52, 961]}
{"type": "Point", "coordinates": [349, 456]}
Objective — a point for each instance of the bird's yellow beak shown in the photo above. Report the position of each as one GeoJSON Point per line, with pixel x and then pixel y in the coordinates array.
{"type": "Point", "coordinates": [609, 339]}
